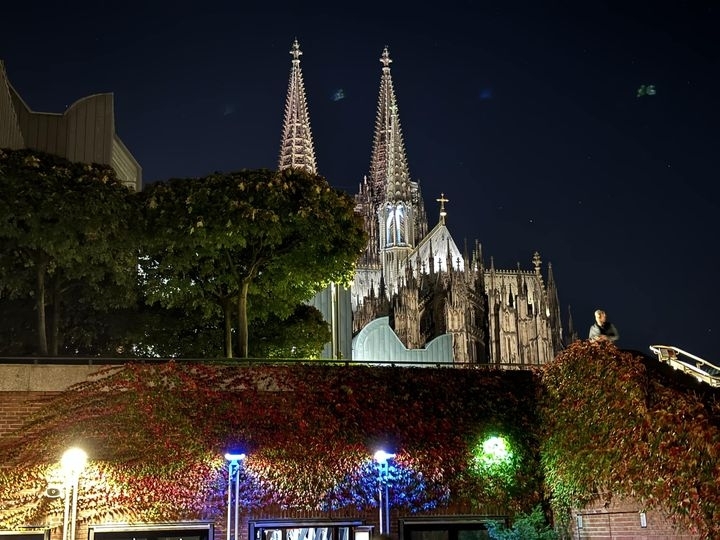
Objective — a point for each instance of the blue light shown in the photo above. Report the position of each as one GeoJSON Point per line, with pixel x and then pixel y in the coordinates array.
{"type": "Point", "coordinates": [381, 456]}
{"type": "Point", "coordinates": [234, 457]}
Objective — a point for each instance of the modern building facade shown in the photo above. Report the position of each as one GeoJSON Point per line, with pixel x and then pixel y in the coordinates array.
{"type": "Point", "coordinates": [84, 133]}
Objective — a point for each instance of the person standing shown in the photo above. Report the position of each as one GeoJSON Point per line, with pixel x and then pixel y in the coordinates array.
{"type": "Point", "coordinates": [603, 329]}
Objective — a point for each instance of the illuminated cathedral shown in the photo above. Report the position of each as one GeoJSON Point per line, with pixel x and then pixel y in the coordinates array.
{"type": "Point", "coordinates": [416, 297]}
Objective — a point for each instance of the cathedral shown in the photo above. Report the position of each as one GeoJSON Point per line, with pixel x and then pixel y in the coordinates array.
{"type": "Point", "coordinates": [416, 298]}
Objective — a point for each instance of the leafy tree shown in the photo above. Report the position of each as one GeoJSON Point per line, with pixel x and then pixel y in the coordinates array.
{"type": "Point", "coordinates": [302, 335]}
{"type": "Point", "coordinates": [151, 331]}
{"type": "Point", "coordinates": [532, 526]}
{"type": "Point", "coordinates": [262, 238]}
{"type": "Point", "coordinates": [65, 233]}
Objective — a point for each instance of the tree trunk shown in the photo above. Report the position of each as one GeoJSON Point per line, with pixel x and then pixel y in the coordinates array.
{"type": "Point", "coordinates": [227, 313]}
{"type": "Point", "coordinates": [242, 320]}
{"type": "Point", "coordinates": [40, 306]}
{"type": "Point", "coordinates": [54, 318]}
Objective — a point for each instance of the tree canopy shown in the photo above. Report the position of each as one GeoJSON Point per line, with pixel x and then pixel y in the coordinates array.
{"type": "Point", "coordinates": [265, 239]}
{"type": "Point", "coordinates": [64, 229]}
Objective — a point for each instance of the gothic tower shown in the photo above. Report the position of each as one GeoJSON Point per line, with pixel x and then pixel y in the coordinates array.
{"type": "Point", "coordinates": [418, 281]}
{"type": "Point", "coordinates": [296, 144]}
{"type": "Point", "coordinates": [297, 151]}
{"type": "Point", "coordinates": [389, 201]}
{"type": "Point", "coordinates": [414, 294]}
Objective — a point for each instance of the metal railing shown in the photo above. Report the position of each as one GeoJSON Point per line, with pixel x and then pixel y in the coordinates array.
{"type": "Point", "coordinates": [686, 362]}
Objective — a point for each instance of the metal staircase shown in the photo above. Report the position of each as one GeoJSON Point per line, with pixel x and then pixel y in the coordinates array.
{"type": "Point", "coordinates": [701, 369]}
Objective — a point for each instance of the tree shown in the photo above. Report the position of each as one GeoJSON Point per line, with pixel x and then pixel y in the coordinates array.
{"type": "Point", "coordinates": [302, 335]}
{"type": "Point", "coordinates": [65, 233]}
{"type": "Point", "coordinates": [532, 526]}
{"type": "Point", "coordinates": [253, 241]}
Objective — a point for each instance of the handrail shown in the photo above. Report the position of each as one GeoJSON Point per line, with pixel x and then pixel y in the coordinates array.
{"type": "Point", "coordinates": [686, 362]}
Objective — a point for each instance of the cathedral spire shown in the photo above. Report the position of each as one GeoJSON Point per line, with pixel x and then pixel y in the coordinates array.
{"type": "Point", "coordinates": [388, 166]}
{"type": "Point", "coordinates": [553, 311]}
{"type": "Point", "coordinates": [296, 146]}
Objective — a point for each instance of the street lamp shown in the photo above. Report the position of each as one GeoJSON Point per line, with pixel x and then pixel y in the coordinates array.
{"type": "Point", "coordinates": [73, 462]}
{"type": "Point", "coordinates": [382, 457]}
{"type": "Point", "coordinates": [233, 477]}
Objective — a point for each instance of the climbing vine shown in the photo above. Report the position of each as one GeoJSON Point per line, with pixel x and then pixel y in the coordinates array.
{"type": "Point", "coordinates": [156, 435]}
{"type": "Point", "coordinates": [595, 422]}
{"type": "Point", "coordinates": [610, 428]}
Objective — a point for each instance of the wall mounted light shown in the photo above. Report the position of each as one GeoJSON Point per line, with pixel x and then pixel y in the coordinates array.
{"type": "Point", "coordinates": [233, 481]}
{"type": "Point", "coordinates": [73, 462]}
{"type": "Point", "coordinates": [381, 458]}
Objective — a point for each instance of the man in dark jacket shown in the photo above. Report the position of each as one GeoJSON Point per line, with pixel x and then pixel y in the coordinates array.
{"type": "Point", "coordinates": [603, 329]}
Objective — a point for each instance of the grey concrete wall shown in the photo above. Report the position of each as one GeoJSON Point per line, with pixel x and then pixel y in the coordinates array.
{"type": "Point", "coordinates": [43, 377]}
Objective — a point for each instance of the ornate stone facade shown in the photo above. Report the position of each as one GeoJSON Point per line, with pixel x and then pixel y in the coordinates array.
{"type": "Point", "coordinates": [422, 281]}
{"type": "Point", "coordinates": [417, 277]}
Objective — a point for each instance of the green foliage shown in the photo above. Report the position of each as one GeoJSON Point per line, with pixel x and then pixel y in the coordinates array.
{"type": "Point", "coordinates": [253, 243]}
{"type": "Point", "coordinates": [246, 246]}
{"type": "Point", "coordinates": [66, 234]}
{"type": "Point", "coordinates": [532, 526]}
{"type": "Point", "coordinates": [609, 428]}
{"type": "Point", "coordinates": [302, 335]}
{"type": "Point", "coordinates": [496, 460]}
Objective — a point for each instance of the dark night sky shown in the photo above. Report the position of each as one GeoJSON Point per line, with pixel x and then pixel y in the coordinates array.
{"type": "Point", "coordinates": [525, 115]}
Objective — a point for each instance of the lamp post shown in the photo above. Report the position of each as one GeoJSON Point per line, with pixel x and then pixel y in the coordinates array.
{"type": "Point", "coordinates": [382, 457]}
{"type": "Point", "coordinates": [233, 478]}
{"type": "Point", "coordinates": [73, 462]}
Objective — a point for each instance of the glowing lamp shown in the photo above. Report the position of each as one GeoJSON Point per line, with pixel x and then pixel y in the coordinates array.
{"type": "Point", "coordinates": [73, 460]}
{"type": "Point", "coordinates": [381, 456]}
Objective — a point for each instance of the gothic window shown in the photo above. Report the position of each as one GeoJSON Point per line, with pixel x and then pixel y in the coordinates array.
{"type": "Point", "coordinates": [390, 226]}
{"type": "Point", "coordinates": [400, 218]}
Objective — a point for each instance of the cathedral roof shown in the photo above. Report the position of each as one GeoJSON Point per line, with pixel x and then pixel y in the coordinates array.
{"type": "Point", "coordinates": [296, 146]}
{"type": "Point", "coordinates": [438, 246]}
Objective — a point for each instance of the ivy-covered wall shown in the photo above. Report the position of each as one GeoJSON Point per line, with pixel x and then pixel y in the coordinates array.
{"type": "Point", "coordinates": [596, 423]}
{"type": "Point", "coordinates": [156, 436]}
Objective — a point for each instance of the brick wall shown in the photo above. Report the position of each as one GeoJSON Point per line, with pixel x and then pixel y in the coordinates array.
{"type": "Point", "coordinates": [17, 407]}
{"type": "Point", "coordinates": [620, 519]}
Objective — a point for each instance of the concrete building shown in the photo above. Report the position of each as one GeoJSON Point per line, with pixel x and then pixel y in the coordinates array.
{"type": "Point", "coordinates": [84, 133]}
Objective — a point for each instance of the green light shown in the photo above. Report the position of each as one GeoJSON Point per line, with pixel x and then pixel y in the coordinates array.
{"type": "Point", "coordinates": [495, 451]}
{"type": "Point", "coordinates": [494, 458]}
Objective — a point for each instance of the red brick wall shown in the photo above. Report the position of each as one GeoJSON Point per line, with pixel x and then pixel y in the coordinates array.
{"type": "Point", "coordinates": [17, 407]}
{"type": "Point", "coordinates": [619, 519]}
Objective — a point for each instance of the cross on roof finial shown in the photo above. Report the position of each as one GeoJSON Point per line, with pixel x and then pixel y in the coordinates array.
{"type": "Point", "coordinates": [442, 200]}
{"type": "Point", "coordinates": [385, 60]}
{"type": "Point", "coordinates": [295, 51]}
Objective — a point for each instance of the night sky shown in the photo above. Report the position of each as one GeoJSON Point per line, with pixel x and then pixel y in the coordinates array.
{"type": "Point", "coordinates": [527, 118]}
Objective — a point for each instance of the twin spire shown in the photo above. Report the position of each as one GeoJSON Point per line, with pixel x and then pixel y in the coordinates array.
{"type": "Point", "coordinates": [389, 172]}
